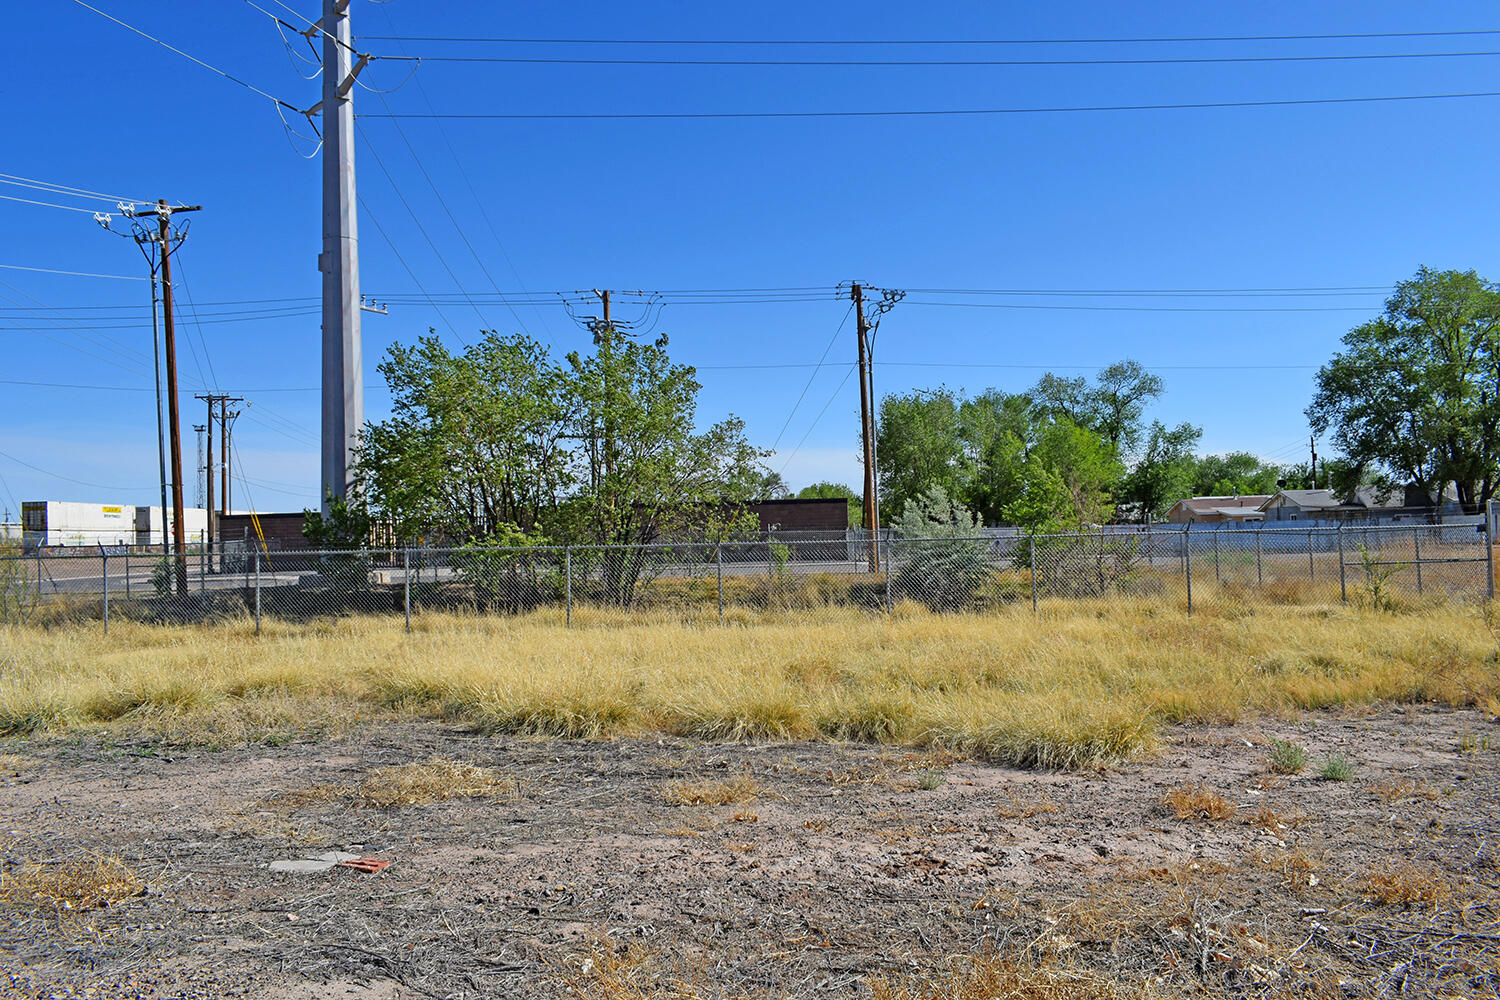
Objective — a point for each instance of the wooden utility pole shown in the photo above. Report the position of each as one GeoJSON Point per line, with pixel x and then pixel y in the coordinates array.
{"type": "Point", "coordinates": [866, 425]}
{"type": "Point", "coordinates": [208, 470]}
{"type": "Point", "coordinates": [604, 336]}
{"type": "Point", "coordinates": [222, 402]}
{"type": "Point", "coordinates": [1312, 443]}
{"type": "Point", "coordinates": [174, 426]}
{"type": "Point", "coordinates": [226, 423]}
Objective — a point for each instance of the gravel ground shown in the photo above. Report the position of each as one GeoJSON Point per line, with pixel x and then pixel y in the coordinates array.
{"type": "Point", "coordinates": [848, 861]}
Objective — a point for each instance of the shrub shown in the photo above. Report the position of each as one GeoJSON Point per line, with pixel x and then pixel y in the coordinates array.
{"type": "Point", "coordinates": [1337, 768]}
{"type": "Point", "coordinates": [1286, 757]}
{"type": "Point", "coordinates": [942, 562]}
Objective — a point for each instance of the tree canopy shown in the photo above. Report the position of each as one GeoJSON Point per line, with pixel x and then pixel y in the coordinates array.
{"type": "Point", "coordinates": [1413, 394]}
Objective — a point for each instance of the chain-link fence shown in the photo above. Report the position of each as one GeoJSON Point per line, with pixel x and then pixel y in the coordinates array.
{"type": "Point", "coordinates": [813, 577]}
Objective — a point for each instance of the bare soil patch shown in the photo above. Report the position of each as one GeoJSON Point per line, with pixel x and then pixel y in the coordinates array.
{"type": "Point", "coordinates": [687, 868]}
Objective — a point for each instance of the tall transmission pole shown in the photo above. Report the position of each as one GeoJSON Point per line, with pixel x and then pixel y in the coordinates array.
{"type": "Point", "coordinates": [202, 468]}
{"type": "Point", "coordinates": [343, 374]}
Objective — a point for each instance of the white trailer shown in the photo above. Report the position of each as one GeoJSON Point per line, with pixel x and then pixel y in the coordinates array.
{"type": "Point", "coordinates": [148, 530]}
{"type": "Point", "coordinates": [61, 522]}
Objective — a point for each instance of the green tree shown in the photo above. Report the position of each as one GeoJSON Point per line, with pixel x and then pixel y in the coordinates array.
{"type": "Point", "coordinates": [1237, 473]}
{"type": "Point", "coordinates": [1165, 471]}
{"type": "Point", "coordinates": [1413, 394]}
{"type": "Point", "coordinates": [476, 444]}
{"type": "Point", "coordinates": [831, 491]}
{"type": "Point", "coordinates": [1120, 399]}
{"type": "Point", "coordinates": [996, 430]}
{"type": "Point", "coordinates": [1086, 465]}
{"type": "Point", "coordinates": [941, 559]}
{"type": "Point", "coordinates": [917, 437]}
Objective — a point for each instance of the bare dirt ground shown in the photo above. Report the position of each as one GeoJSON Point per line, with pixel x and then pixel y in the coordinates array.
{"type": "Point", "coordinates": [833, 863]}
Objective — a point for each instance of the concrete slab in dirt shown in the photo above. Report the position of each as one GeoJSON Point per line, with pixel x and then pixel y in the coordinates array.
{"type": "Point", "coordinates": [302, 866]}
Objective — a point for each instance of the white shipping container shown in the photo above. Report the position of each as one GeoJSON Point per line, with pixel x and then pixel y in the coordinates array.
{"type": "Point", "coordinates": [148, 522]}
{"type": "Point", "coordinates": [61, 522]}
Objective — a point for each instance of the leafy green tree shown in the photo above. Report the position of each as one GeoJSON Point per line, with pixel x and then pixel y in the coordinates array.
{"type": "Point", "coordinates": [1165, 471]}
{"type": "Point", "coordinates": [1086, 465]}
{"type": "Point", "coordinates": [1414, 393]}
{"type": "Point", "coordinates": [996, 430]}
{"type": "Point", "coordinates": [1236, 473]}
{"type": "Point", "coordinates": [1119, 400]}
{"type": "Point", "coordinates": [476, 444]}
{"type": "Point", "coordinates": [918, 442]}
{"type": "Point", "coordinates": [832, 491]}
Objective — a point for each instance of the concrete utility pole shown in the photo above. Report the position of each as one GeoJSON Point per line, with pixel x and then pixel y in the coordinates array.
{"type": "Point", "coordinates": [866, 424]}
{"type": "Point", "coordinates": [343, 375]}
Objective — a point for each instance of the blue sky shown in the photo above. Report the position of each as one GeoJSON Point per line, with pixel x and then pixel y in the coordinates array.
{"type": "Point", "coordinates": [1340, 196]}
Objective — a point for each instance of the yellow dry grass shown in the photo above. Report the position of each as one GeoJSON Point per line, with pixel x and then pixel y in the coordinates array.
{"type": "Point", "coordinates": [1077, 686]}
{"type": "Point", "coordinates": [418, 784]}
{"type": "Point", "coordinates": [1001, 979]}
{"type": "Point", "coordinates": [1198, 802]}
{"type": "Point", "coordinates": [69, 886]}
{"type": "Point", "coordinates": [712, 793]}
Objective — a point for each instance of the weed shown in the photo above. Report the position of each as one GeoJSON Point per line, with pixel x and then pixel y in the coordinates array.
{"type": "Point", "coordinates": [1394, 791]}
{"type": "Point", "coordinates": [713, 793]}
{"type": "Point", "coordinates": [1405, 884]}
{"type": "Point", "coordinates": [418, 784]}
{"type": "Point", "coordinates": [931, 778]}
{"type": "Point", "coordinates": [1286, 757]}
{"type": "Point", "coordinates": [1338, 767]}
{"type": "Point", "coordinates": [71, 887]}
{"type": "Point", "coordinates": [1019, 808]}
{"type": "Point", "coordinates": [989, 978]}
{"type": "Point", "coordinates": [1198, 802]}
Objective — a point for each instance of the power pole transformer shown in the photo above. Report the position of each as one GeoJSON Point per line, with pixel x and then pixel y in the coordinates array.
{"type": "Point", "coordinates": [343, 373]}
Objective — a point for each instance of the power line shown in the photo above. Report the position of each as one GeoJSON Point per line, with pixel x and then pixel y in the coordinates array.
{"type": "Point", "coordinates": [69, 479]}
{"type": "Point", "coordinates": [824, 357]}
{"type": "Point", "coordinates": [63, 189]}
{"type": "Point", "coordinates": [936, 113]}
{"type": "Point", "coordinates": [428, 299]}
{"type": "Point", "coordinates": [228, 76]}
{"type": "Point", "coordinates": [814, 424]}
{"type": "Point", "coordinates": [137, 388]}
{"type": "Point", "coordinates": [938, 41]}
{"type": "Point", "coordinates": [76, 274]}
{"type": "Point", "coordinates": [48, 204]}
{"type": "Point", "coordinates": [1157, 61]}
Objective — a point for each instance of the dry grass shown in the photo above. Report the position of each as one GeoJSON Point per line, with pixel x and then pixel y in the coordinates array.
{"type": "Point", "coordinates": [1072, 688]}
{"type": "Point", "coordinates": [418, 784]}
{"type": "Point", "coordinates": [1405, 884]}
{"type": "Point", "coordinates": [69, 887]}
{"type": "Point", "coordinates": [1395, 791]}
{"type": "Point", "coordinates": [1000, 979]}
{"type": "Point", "coordinates": [1198, 802]}
{"type": "Point", "coordinates": [713, 793]}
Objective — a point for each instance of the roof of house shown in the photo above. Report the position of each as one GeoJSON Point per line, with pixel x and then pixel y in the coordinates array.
{"type": "Point", "coordinates": [1209, 505]}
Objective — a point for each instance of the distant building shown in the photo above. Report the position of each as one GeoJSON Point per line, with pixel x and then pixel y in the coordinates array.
{"type": "Point", "coordinates": [1394, 503]}
{"type": "Point", "coordinates": [1210, 510]}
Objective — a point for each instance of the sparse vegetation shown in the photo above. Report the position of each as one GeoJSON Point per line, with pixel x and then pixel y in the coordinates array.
{"type": "Point", "coordinates": [69, 887]}
{"type": "Point", "coordinates": [418, 784]}
{"type": "Point", "coordinates": [1286, 757]}
{"type": "Point", "coordinates": [1406, 884]}
{"type": "Point", "coordinates": [1338, 767]}
{"type": "Point", "coordinates": [713, 793]}
{"type": "Point", "coordinates": [1198, 802]}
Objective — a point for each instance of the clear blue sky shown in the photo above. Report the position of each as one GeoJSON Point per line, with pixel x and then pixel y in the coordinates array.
{"type": "Point", "coordinates": [1349, 195]}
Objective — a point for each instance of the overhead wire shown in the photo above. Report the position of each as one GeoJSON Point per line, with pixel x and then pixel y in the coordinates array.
{"type": "Point", "coordinates": [932, 112]}
{"type": "Point", "coordinates": [401, 259]}
{"type": "Point", "coordinates": [67, 190]}
{"type": "Point", "coordinates": [940, 41]}
{"type": "Point", "coordinates": [69, 479]}
{"type": "Point", "coordinates": [813, 426]}
{"type": "Point", "coordinates": [831, 341]}
{"type": "Point", "coordinates": [192, 58]}
{"type": "Point", "coordinates": [76, 274]}
{"type": "Point", "coordinates": [917, 63]}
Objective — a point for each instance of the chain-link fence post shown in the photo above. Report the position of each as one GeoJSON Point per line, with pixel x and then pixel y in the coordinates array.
{"type": "Point", "coordinates": [568, 586]}
{"type": "Point", "coordinates": [1489, 549]}
{"type": "Point", "coordinates": [256, 556]}
{"type": "Point", "coordinates": [1416, 549]}
{"type": "Point", "coordinates": [1312, 574]}
{"type": "Point", "coordinates": [1343, 585]}
{"type": "Point", "coordinates": [1187, 561]}
{"type": "Point", "coordinates": [890, 545]}
{"type": "Point", "coordinates": [1032, 541]}
{"type": "Point", "coordinates": [406, 584]}
{"type": "Point", "coordinates": [1150, 558]}
{"type": "Point", "coordinates": [1218, 577]}
{"type": "Point", "coordinates": [719, 568]}
{"type": "Point", "coordinates": [1259, 573]}
{"type": "Point", "coordinates": [39, 570]}
{"type": "Point", "coordinates": [202, 564]}
{"type": "Point", "coordinates": [127, 572]}
{"type": "Point", "coordinates": [104, 560]}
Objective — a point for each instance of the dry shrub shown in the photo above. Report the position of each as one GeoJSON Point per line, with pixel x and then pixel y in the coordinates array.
{"type": "Point", "coordinates": [994, 979]}
{"type": "Point", "coordinates": [632, 973]}
{"type": "Point", "coordinates": [1198, 802]}
{"type": "Point", "coordinates": [71, 886]}
{"type": "Point", "coordinates": [1405, 884]}
{"type": "Point", "coordinates": [713, 793]}
{"type": "Point", "coordinates": [1019, 808]}
{"type": "Point", "coordinates": [1393, 791]}
{"type": "Point", "coordinates": [418, 784]}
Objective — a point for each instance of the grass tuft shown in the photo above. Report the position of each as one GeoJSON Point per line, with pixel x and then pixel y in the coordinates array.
{"type": "Point", "coordinates": [1003, 979]}
{"type": "Point", "coordinates": [1406, 884]}
{"type": "Point", "coordinates": [1199, 803]}
{"type": "Point", "coordinates": [69, 887]}
{"type": "Point", "coordinates": [713, 793]}
{"type": "Point", "coordinates": [1286, 757]}
{"type": "Point", "coordinates": [1338, 767]}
